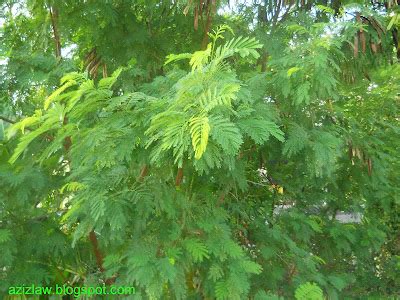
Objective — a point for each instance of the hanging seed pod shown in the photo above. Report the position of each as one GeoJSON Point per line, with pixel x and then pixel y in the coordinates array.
{"type": "Point", "coordinates": [361, 33]}
{"type": "Point", "coordinates": [374, 48]}
{"type": "Point", "coordinates": [93, 71]}
{"type": "Point", "coordinates": [350, 151]}
{"type": "Point", "coordinates": [356, 45]}
{"type": "Point", "coordinates": [196, 18]}
{"type": "Point", "coordinates": [363, 41]}
{"type": "Point", "coordinates": [369, 167]}
{"type": "Point", "coordinates": [105, 71]}
{"type": "Point", "coordinates": [358, 153]}
{"type": "Point", "coordinates": [89, 57]}
{"type": "Point", "coordinates": [186, 10]}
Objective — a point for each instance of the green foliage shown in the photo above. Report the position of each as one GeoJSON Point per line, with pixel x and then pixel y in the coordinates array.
{"type": "Point", "coordinates": [309, 291]}
{"type": "Point", "coordinates": [260, 163]}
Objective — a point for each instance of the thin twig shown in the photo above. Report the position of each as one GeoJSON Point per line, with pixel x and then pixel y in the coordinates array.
{"type": "Point", "coordinates": [256, 183]}
{"type": "Point", "coordinates": [5, 119]}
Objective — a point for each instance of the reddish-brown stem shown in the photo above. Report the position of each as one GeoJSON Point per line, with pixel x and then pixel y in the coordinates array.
{"type": "Point", "coordinates": [143, 172]}
{"type": "Point", "coordinates": [221, 198]}
{"type": "Point", "coordinates": [67, 140]}
{"type": "Point", "coordinates": [179, 177]}
{"type": "Point", "coordinates": [97, 253]}
{"type": "Point", "coordinates": [99, 256]}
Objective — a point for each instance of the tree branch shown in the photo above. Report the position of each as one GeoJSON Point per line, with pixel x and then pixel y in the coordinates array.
{"type": "Point", "coordinates": [7, 120]}
{"type": "Point", "coordinates": [56, 34]}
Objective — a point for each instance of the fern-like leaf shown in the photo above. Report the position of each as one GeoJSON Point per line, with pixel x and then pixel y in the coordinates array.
{"type": "Point", "coordinates": [200, 58]}
{"type": "Point", "coordinates": [260, 130]}
{"type": "Point", "coordinates": [199, 130]}
{"type": "Point", "coordinates": [309, 291]}
{"type": "Point", "coordinates": [298, 139]}
{"type": "Point", "coordinates": [5, 235]}
{"type": "Point", "coordinates": [197, 249]}
{"type": "Point", "coordinates": [226, 134]}
{"type": "Point", "coordinates": [215, 272]}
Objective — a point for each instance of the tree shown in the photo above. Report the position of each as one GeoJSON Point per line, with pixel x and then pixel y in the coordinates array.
{"type": "Point", "coordinates": [215, 172]}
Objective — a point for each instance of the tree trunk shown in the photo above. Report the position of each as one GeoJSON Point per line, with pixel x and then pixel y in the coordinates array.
{"type": "Point", "coordinates": [210, 15]}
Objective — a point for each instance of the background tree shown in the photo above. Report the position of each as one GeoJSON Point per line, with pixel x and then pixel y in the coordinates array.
{"type": "Point", "coordinates": [201, 149]}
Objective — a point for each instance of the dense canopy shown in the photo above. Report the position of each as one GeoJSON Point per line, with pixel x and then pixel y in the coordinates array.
{"type": "Point", "coordinates": [201, 149]}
